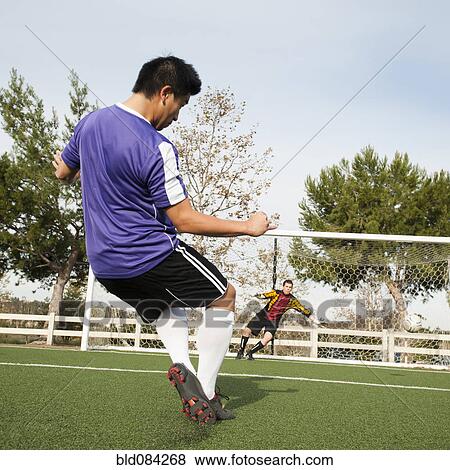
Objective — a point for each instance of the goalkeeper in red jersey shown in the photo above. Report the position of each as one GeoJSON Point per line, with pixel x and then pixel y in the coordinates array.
{"type": "Point", "coordinates": [270, 316]}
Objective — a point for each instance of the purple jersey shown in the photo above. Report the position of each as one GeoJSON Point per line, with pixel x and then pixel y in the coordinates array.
{"type": "Point", "coordinates": [129, 174]}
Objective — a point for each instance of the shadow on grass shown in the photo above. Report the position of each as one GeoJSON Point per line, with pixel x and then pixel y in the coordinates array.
{"type": "Point", "coordinates": [247, 390]}
{"type": "Point", "coordinates": [243, 391]}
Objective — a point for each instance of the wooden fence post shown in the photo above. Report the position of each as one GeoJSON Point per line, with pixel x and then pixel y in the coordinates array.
{"type": "Point", "coordinates": [314, 337]}
{"type": "Point", "coordinates": [51, 327]}
{"type": "Point", "coordinates": [87, 311]}
{"type": "Point", "coordinates": [385, 346]}
{"type": "Point", "coordinates": [391, 344]}
{"type": "Point", "coordinates": [137, 333]}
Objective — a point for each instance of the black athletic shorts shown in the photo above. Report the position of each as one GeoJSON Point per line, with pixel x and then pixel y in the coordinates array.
{"type": "Point", "coordinates": [261, 321]}
{"type": "Point", "coordinates": [184, 279]}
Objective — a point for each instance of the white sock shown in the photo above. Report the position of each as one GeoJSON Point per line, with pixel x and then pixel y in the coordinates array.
{"type": "Point", "coordinates": [172, 328]}
{"type": "Point", "coordinates": [213, 339]}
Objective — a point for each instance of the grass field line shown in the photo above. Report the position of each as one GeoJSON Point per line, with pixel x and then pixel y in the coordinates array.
{"type": "Point", "coordinates": [259, 376]}
{"type": "Point", "coordinates": [232, 357]}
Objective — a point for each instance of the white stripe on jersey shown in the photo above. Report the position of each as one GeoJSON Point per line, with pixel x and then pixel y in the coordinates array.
{"type": "Point", "coordinates": [172, 185]}
{"type": "Point", "coordinates": [203, 269]}
{"type": "Point", "coordinates": [168, 236]}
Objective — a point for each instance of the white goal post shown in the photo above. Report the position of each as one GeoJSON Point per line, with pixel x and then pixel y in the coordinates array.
{"type": "Point", "coordinates": [363, 287]}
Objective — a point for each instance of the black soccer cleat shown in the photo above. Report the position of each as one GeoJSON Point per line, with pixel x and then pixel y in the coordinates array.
{"type": "Point", "coordinates": [196, 405]}
{"type": "Point", "coordinates": [240, 354]}
{"type": "Point", "coordinates": [216, 404]}
{"type": "Point", "coordinates": [250, 357]}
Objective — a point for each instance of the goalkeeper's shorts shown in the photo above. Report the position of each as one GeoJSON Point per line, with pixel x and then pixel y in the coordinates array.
{"type": "Point", "coordinates": [184, 279]}
{"type": "Point", "coordinates": [259, 322]}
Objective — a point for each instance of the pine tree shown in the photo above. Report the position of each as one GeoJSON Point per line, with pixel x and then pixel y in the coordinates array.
{"type": "Point", "coordinates": [41, 232]}
{"type": "Point", "coordinates": [372, 195]}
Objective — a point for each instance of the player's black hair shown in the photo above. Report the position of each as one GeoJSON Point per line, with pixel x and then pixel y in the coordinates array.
{"type": "Point", "coordinates": [162, 71]}
{"type": "Point", "coordinates": [288, 281]}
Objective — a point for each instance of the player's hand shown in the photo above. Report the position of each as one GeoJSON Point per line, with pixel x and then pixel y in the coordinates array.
{"type": "Point", "coordinates": [258, 224]}
{"type": "Point", "coordinates": [57, 160]}
{"type": "Point", "coordinates": [58, 164]}
{"type": "Point", "coordinates": [315, 321]}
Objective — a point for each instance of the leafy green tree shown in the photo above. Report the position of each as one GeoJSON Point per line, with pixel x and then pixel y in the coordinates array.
{"type": "Point", "coordinates": [373, 195]}
{"type": "Point", "coordinates": [41, 232]}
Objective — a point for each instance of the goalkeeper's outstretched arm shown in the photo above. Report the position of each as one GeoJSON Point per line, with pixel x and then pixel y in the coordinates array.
{"type": "Point", "coordinates": [266, 295]}
{"type": "Point", "coordinates": [305, 311]}
{"type": "Point", "coordinates": [300, 307]}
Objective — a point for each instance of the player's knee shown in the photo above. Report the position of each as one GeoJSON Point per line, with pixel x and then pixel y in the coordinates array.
{"type": "Point", "coordinates": [267, 339]}
{"type": "Point", "coordinates": [227, 301]}
{"type": "Point", "coordinates": [231, 292]}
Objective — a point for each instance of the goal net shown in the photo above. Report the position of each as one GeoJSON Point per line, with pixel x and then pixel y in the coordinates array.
{"type": "Point", "coordinates": [381, 298]}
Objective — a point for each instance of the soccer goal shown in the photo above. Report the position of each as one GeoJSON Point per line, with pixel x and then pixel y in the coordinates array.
{"type": "Point", "coordinates": [380, 298]}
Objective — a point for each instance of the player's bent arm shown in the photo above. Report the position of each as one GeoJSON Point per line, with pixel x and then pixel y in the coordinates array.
{"type": "Point", "coordinates": [187, 220]}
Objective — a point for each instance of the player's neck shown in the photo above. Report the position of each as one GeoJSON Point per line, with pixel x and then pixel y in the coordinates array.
{"type": "Point", "coordinates": [142, 105]}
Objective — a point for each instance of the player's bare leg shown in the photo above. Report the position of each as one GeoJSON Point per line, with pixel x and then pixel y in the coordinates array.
{"type": "Point", "coordinates": [227, 301]}
{"type": "Point", "coordinates": [268, 336]}
{"type": "Point", "coordinates": [246, 332]}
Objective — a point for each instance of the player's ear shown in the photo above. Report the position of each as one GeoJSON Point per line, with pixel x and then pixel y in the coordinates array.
{"type": "Point", "coordinates": [165, 92]}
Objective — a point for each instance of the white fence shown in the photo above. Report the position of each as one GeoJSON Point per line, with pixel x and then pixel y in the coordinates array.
{"type": "Point", "coordinates": [387, 346]}
{"type": "Point", "coordinates": [49, 331]}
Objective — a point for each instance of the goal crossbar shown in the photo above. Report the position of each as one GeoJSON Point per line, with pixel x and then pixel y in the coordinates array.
{"type": "Point", "coordinates": [358, 236]}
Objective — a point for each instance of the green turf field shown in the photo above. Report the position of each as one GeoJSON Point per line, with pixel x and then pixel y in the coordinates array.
{"type": "Point", "coordinates": [126, 402]}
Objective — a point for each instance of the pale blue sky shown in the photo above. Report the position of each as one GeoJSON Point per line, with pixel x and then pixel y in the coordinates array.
{"type": "Point", "coordinates": [294, 63]}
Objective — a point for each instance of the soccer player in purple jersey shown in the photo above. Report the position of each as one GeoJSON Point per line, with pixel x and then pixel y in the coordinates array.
{"type": "Point", "coordinates": [134, 203]}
